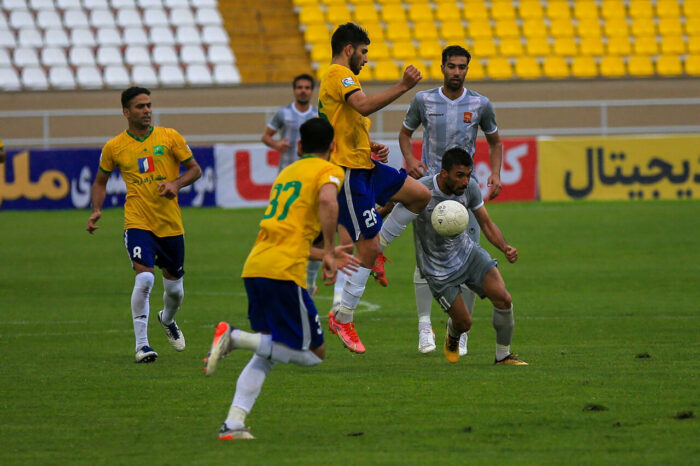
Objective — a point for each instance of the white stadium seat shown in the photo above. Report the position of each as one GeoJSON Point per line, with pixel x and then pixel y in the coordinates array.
{"type": "Point", "coordinates": [34, 78]}
{"type": "Point", "coordinates": [135, 36]}
{"type": "Point", "coordinates": [117, 4]}
{"type": "Point", "coordinates": [182, 17]}
{"type": "Point", "coordinates": [89, 77]}
{"type": "Point", "coordinates": [109, 36]}
{"type": "Point", "coordinates": [75, 19]}
{"type": "Point", "coordinates": [137, 55]}
{"type": "Point", "coordinates": [162, 36]}
{"type": "Point", "coordinates": [10, 5]}
{"type": "Point", "coordinates": [164, 55]}
{"type": "Point", "coordinates": [56, 38]}
{"type": "Point", "coordinates": [9, 80]}
{"type": "Point", "coordinates": [204, 3]}
{"type": "Point", "coordinates": [187, 35]}
{"type": "Point", "coordinates": [82, 37]}
{"type": "Point", "coordinates": [96, 5]}
{"type": "Point", "coordinates": [21, 19]}
{"type": "Point", "coordinates": [176, 4]}
{"type": "Point", "coordinates": [147, 4]}
{"type": "Point", "coordinates": [212, 35]}
{"type": "Point", "coordinates": [208, 17]}
{"type": "Point", "coordinates": [61, 77]}
{"type": "Point", "coordinates": [53, 56]}
{"type": "Point", "coordinates": [5, 61]}
{"type": "Point", "coordinates": [7, 39]}
{"type": "Point", "coordinates": [38, 5]}
{"type": "Point", "coordinates": [116, 76]}
{"type": "Point", "coordinates": [198, 75]}
{"type": "Point", "coordinates": [144, 75]}
{"type": "Point", "coordinates": [220, 55]}
{"type": "Point", "coordinates": [127, 17]}
{"type": "Point", "coordinates": [155, 17]}
{"type": "Point", "coordinates": [171, 75]}
{"type": "Point", "coordinates": [30, 38]}
{"type": "Point", "coordinates": [192, 55]}
{"type": "Point", "coordinates": [226, 74]}
{"type": "Point", "coordinates": [48, 19]}
{"type": "Point", "coordinates": [109, 56]}
{"type": "Point", "coordinates": [81, 56]}
{"type": "Point", "coordinates": [102, 18]}
{"type": "Point", "coordinates": [25, 57]}
{"type": "Point", "coordinates": [3, 21]}
{"type": "Point", "coordinates": [68, 5]}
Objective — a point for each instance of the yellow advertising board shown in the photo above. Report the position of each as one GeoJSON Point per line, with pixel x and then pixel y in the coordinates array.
{"type": "Point", "coordinates": [615, 168]}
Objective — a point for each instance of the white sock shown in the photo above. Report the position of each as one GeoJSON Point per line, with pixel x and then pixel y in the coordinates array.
{"type": "Point", "coordinates": [502, 351]}
{"type": "Point", "coordinates": [352, 292]}
{"type": "Point", "coordinates": [395, 224]}
{"type": "Point", "coordinates": [312, 269]}
{"type": "Point", "coordinates": [248, 388]}
{"type": "Point", "coordinates": [143, 284]}
{"type": "Point", "coordinates": [451, 330]}
{"type": "Point", "coordinates": [424, 299]}
{"type": "Point", "coordinates": [173, 294]}
{"type": "Point", "coordinates": [338, 287]}
{"type": "Point", "coordinates": [284, 354]}
{"type": "Point", "coordinates": [259, 343]}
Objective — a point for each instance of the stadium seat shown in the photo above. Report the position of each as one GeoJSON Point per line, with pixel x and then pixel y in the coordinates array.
{"type": "Point", "coordinates": [691, 9]}
{"type": "Point", "coordinates": [646, 46]}
{"type": "Point", "coordinates": [88, 77]}
{"type": "Point", "coordinates": [5, 61]}
{"type": "Point", "coordinates": [640, 65]}
{"type": "Point", "coordinates": [673, 45]}
{"type": "Point", "coordinates": [192, 55]}
{"type": "Point", "coordinates": [435, 70]}
{"type": "Point", "coordinates": [502, 9]}
{"type": "Point", "coordinates": [116, 76]}
{"type": "Point", "coordinates": [96, 5]}
{"type": "Point", "coordinates": [155, 17]}
{"type": "Point", "coordinates": [11, 5]}
{"type": "Point", "coordinates": [561, 28]}
{"type": "Point", "coordinates": [692, 26]}
{"type": "Point", "coordinates": [565, 47]}
{"type": "Point", "coordinates": [316, 33]}
{"type": "Point", "coordinates": [338, 14]}
{"type": "Point", "coordinates": [61, 77]}
{"type": "Point", "coordinates": [643, 27]}
{"type": "Point", "coordinates": [25, 57]}
{"type": "Point", "coordinates": [531, 9]}
{"type": "Point", "coordinates": [53, 56]}
{"type": "Point", "coordinates": [425, 30]}
{"type": "Point", "coordinates": [588, 28]}
{"type": "Point", "coordinates": [102, 18]}
{"type": "Point", "coordinates": [484, 48]}
{"type": "Point", "coordinates": [534, 28]}
{"type": "Point", "coordinates": [538, 47]}
{"type": "Point", "coordinates": [189, 35]}
{"type": "Point", "coordinates": [158, 36]}
{"type": "Point", "coordinates": [616, 28]}
{"type": "Point", "coordinates": [591, 46]}
{"type": "Point", "coordinates": [171, 76]}
{"type": "Point", "coordinates": [511, 48]}
{"type": "Point", "coordinates": [3, 21]}
{"type": "Point", "coordinates": [48, 19]}
{"type": "Point", "coordinates": [21, 19]}
{"type": "Point", "coordinates": [182, 17]}
{"type": "Point", "coordinates": [585, 9]}
{"type": "Point", "coordinates": [476, 70]}
{"type": "Point", "coordinates": [558, 9]}
{"type": "Point", "coordinates": [375, 31]}
{"type": "Point", "coordinates": [34, 78]}
{"type": "Point", "coordinates": [418, 64]}
{"type": "Point", "coordinates": [68, 4]}
{"type": "Point", "coordinates": [669, 65]}
{"type": "Point", "coordinates": [127, 17]}
{"type": "Point", "coordinates": [320, 71]}
{"type": "Point", "coordinates": [30, 38]}
{"type": "Point", "coordinates": [419, 12]}
{"type": "Point", "coordinates": [198, 75]}
{"type": "Point", "coordinates": [81, 57]}
{"type": "Point", "coordinates": [9, 80]}
{"type": "Point", "coordinates": [311, 14]}
{"type": "Point", "coordinates": [137, 55]}
{"type": "Point", "coordinates": [366, 13]}
{"type": "Point", "coordinates": [612, 67]}
{"type": "Point", "coordinates": [613, 9]}
{"type": "Point", "coordinates": [668, 9]}
{"type": "Point", "coordinates": [386, 70]}
{"type": "Point", "coordinates": [499, 68]}
{"type": "Point", "coordinates": [171, 4]}
{"type": "Point", "coordinates": [692, 65]}
{"type": "Point", "coordinates": [117, 4]}
{"type": "Point", "coordinates": [73, 19]}
{"type": "Point", "coordinates": [164, 55]}
{"type": "Point", "coordinates": [109, 36]}
{"type": "Point", "coordinates": [447, 11]}
{"type": "Point", "coordinates": [204, 3]}
{"type": "Point", "coordinates": [527, 68]}
{"type": "Point", "coordinates": [479, 30]}
{"type": "Point", "coordinates": [452, 31]}
{"type": "Point", "coordinates": [640, 9]}
{"type": "Point", "coordinates": [226, 74]}
{"type": "Point", "coordinates": [214, 35]}
{"type": "Point", "coordinates": [220, 54]}
{"type": "Point", "coordinates": [208, 17]}
{"type": "Point", "coordinates": [556, 68]}
{"type": "Point", "coordinates": [694, 45]}
{"type": "Point", "coordinates": [398, 31]}
{"type": "Point", "coordinates": [393, 13]}
{"type": "Point", "coordinates": [109, 56]}
{"type": "Point", "coordinates": [670, 27]}
{"type": "Point", "coordinates": [430, 50]}
{"type": "Point", "coordinates": [475, 12]}
{"type": "Point", "coordinates": [584, 67]}
{"type": "Point", "coordinates": [404, 50]}
{"type": "Point", "coordinates": [507, 29]}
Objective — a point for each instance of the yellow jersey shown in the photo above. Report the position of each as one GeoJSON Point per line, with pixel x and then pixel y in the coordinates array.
{"type": "Point", "coordinates": [291, 222]}
{"type": "Point", "coordinates": [352, 148]}
{"type": "Point", "coordinates": [1, 146]}
{"type": "Point", "coordinates": [144, 164]}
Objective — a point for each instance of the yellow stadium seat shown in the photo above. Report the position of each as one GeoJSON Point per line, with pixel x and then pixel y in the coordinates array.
{"type": "Point", "coordinates": [317, 33]}
{"type": "Point", "coordinates": [691, 9]}
{"type": "Point", "coordinates": [672, 45]}
{"type": "Point", "coordinates": [398, 30]}
{"type": "Point", "coordinates": [321, 52]}
{"type": "Point", "coordinates": [619, 46]}
{"type": "Point", "coordinates": [534, 28]}
{"type": "Point", "coordinates": [404, 50]}
{"type": "Point", "coordinates": [447, 11]}
{"type": "Point", "coordinates": [393, 13]}
{"type": "Point", "coordinates": [639, 65]}
{"type": "Point", "coordinates": [692, 26]}
{"type": "Point", "coordinates": [641, 9]}
{"type": "Point", "coordinates": [531, 9]}
{"type": "Point", "coordinates": [386, 70]}
{"type": "Point", "coordinates": [321, 70]}
{"type": "Point", "coordinates": [669, 65]}
{"type": "Point", "coordinates": [430, 50]}
{"type": "Point", "coordinates": [366, 73]}
{"type": "Point", "coordinates": [511, 47]}
{"type": "Point", "coordinates": [507, 28]}
{"type": "Point", "coordinates": [668, 8]}
{"type": "Point", "coordinates": [484, 48]}
{"type": "Point", "coordinates": [611, 9]}
{"type": "Point", "coordinates": [561, 28]}
{"type": "Point", "coordinates": [592, 46]}
{"type": "Point", "coordinates": [538, 47]}
{"type": "Point", "coordinates": [670, 27]}
{"type": "Point", "coordinates": [565, 47]}
{"type": "Point", "coordinates": [435, 70]}
{"type": "Point", "coordinates": [475, 11]}
{"type": "Point", "coordinates": [311, 14]}
{"type": "Point", "coordinates": [476, 71]}
{"type": "Point", "coordinates": [375, 31]}
{"type": "Point", "coordinates": [616, 28]}
{"type": "Point", "coordinates": [378, 50]}
{"type": "Point", "coordinates": [366, 13]}
{"type": "Point", "coordinates": [646, 46]}
{"type": "Point", "coordinates": [333, 2]}
{"type": "Point", "coordinates": [584, 67]}
{"type": "Point", "coordinates": [585, 9]}
{"type": "Point", "coordinates": [528, 68]}
{"type": "Point", "coordinates": [388, 2]}
{"type": "Point", "coordinates": [558, 9]}
{"type": "Point", "coordinates": [612, 67]}
{"type": "Point", "coordinates": [502, 9]}
{"type": "Point", "coordinates": [420, 12]}
{"type": "Point", "coordinates": [692, 65]}
{"type": "Point", "coordinates": [304, 2]}
{"type": "Point", "coordinates": [556, 67]}
{"type": "Point", "coordinates": [499, 68]}
{"type": "Point", "coordinates": [479, 30]}
{"type": "Point", "coordinates": [338, 14]}
{"type": "Point", "coordinates": [694, 45]}
{"type": "Point", "coordinates": [361, 2]}
{"type": "Point", "coordinates": [588, 28]}
{"type": "Point", "coordinates": [419, 65]}
{"type": "Point", "coordinates": [452, 30]}
{"type": "Point", "coordinates": [643, 27]}
{"type": "Point", "coordinates": [423, 30]}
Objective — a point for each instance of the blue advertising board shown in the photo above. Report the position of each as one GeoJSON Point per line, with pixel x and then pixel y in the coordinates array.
{"type": "Point", "coordinates": [62, 179]}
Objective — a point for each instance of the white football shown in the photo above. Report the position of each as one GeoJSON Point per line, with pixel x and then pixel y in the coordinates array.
{"type": "Point", "coordinates": [449, 218]}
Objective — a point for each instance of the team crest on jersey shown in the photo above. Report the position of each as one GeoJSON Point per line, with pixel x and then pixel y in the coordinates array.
{"type": "Point", "coordinates": [347, 82]}
{"type": "Point", "coordinates": [467, 117]}
{"type": "Point", "coordinates": [146, 165]}
{"type": "Point", "coordinates": [158, 150]}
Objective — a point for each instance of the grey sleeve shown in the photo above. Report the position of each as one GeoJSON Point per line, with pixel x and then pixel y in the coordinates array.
{"type": "Point", "coordinates": [277, 121]}
{"type": "Point", "coordinates": [413, 118]}
{"type": "Point", "coordinates": [476, 200]}
{"type": "Point", "coordinates": [488, 119]}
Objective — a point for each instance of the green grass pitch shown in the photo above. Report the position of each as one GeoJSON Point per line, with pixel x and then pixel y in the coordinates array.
{"type": "Point", "coordinates": [597, 286]}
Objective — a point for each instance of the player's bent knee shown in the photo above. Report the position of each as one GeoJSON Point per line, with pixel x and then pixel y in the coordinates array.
{"type": "Point", "coordinates": [320, 351]}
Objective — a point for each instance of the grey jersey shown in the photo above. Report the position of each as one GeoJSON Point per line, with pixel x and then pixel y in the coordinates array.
{"type": "Point", "coordinates": [449, 123]}
{"type": "Point", "coordinates": [288, 120]}
{"type": "Point", "coordinates": [437, 256]}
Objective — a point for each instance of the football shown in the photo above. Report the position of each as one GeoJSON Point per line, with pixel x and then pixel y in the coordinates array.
{"type": "Point", "coordinates": [449, 218]}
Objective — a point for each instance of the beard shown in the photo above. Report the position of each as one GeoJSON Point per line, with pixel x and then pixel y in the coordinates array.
{"type": "Point", "coordinates": [356, 64]}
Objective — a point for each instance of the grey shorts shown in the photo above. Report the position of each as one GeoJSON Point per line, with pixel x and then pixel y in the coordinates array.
{"type": "Point", "coordinates": [478, 264]}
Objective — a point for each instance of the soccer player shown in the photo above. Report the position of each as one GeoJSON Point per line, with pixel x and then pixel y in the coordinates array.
{"type": "Point", "coordinates": [451, 116]}
{"type": "Point", "coordinates": [448, 262]}
{"type": "Point", "coordinates": [282, 314]}
{"type": "Point", "coordinates": [343, 103]}
{"type": "Point", "coordinates": [149, 158]}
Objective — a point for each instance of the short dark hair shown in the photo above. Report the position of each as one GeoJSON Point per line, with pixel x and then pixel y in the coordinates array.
{"type": "Point", "coordinates": [455, 51]}
{"type": "Point", "coordinates": [348, 34]}
{"type": "Point", "coordinates": [303, 77]}
{"type": "Point", "coordinates": [132, 92]}
{"type": "Point", "coordinates": [316, 136]}
{"type": "Point", "coordinates": [456, 156]}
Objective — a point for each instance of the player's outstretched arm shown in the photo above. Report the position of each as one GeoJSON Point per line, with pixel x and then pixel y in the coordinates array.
{"type": "Point", "coordinates": [328, 215]}
{"type": "Point", "coordinates": [414, 167]}
{"type": "Point", "coordinates": [494, 235]}
{"type": "Point", "coordinates": [192, 173]}
{"type": "Point", "coordinates": [367, 105]}
{"type": "Point", "coordinates": [99, 192]}
{"type": "Point", "coordinates": [496, 157]}
{"type": "Point", "coordinates": [281, 146]}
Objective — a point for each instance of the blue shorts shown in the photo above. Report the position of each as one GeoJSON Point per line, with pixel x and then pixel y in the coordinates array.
{"type": "Point", "coordinates": [362, 189]}
{"type": "Point", "coordinates": [150, 250]}
{"type": "Point", "coordinates": [285, 310]}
